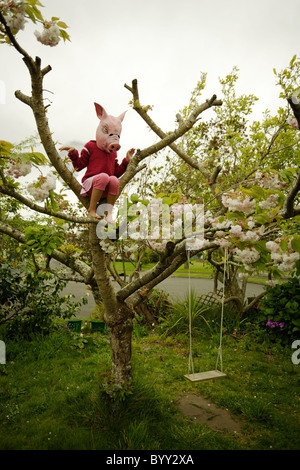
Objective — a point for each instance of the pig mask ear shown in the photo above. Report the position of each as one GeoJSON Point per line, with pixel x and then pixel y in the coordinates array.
{"type": "Point", "coordinates": [121, 117]}
{"type": "Point", "coordinates": [100, 111]}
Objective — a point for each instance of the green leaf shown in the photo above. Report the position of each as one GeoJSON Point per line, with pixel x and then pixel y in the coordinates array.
{"type": "Point", "coordinates": [5, 147]}
{"type": "Point", "coordinates": [53, 203]}
{"type": "Point", "coordinates": [36, 157]}
{"type": "Point", "coordinates": [62, 24]}
{"type": "Point", "coordinates": [293, 60]}
{"type": "Point", "coordinates": [283, 245]}
{"type": "Point", "coordinates": [295, 242]}
{"type": "Point", "coordinates": [30, 13]}
{"type": "Point", "coordinates": [63, 34]}
{"type": "Point", "coordinates": [31, 242]}
{"type": "Point", "coordinates": [37, 13]}
{"type": "Point", "coordinates": [262, 218]}
{"type": "Point", "coordinates": [134, 198]}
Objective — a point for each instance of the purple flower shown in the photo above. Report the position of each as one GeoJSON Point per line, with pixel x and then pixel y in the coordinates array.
{"type": "Point", "coordinates": [274, 324]}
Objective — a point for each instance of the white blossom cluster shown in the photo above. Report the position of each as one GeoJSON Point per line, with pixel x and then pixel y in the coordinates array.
{"type": "Point", "coordinates": [292, 122]}
{"type": "Point", "coordinates": [41, 189]}
{"type": "Point", "coordinates": [19, 168]}
{"type": "Point", "coordinates": [247, 256]}
{"type": "Point", "coordinates": [50, 36]}
{"type": "Point", "coordinates": [249, 235]}
{"type": "Point", "coordinates": [107, 247]}
{"type": "Point", "coordinates": [269, 180]}
{"type": "Point", "coordinates": [238, 202]}
{"type": "Point", "coordinates": [287, 259]}
{"type": "Point", "coordinates": [14, 14]}
{"type": "Point", "coordinates": [223, 242]}
{"type": "Point", "coordinates": [269, 203]}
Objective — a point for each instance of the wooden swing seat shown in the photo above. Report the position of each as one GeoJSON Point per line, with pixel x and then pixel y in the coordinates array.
{"type": "Point", "coordinates": [201, 376]}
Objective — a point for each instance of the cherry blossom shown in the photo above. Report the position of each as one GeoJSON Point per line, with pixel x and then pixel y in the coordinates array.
{"type": "Point", "coordinates": [293, 122]}
{"type": "Point", "coordinates": [236, 230]}
{"type": "Point", "coordinates": [270, 202]}
{"type": "Point", "coordinates": [223, 242]}
{"type": "Point", "coordinates": [269, 180]}
{"type": "Point", "coordinates": [19, 168]}
{"type": "Point", "coordinates": [14, 14]}
{"type": "Point", "coordinates": [286, 259]}
{"type": "Point", "coordinates": [247, 256]}
{"type": "Point", "coordinates": [41, 189]}
{"type": "Point", "coordinates": [50, 35]}
{"type": "Point", "coordinates": [238, 202]}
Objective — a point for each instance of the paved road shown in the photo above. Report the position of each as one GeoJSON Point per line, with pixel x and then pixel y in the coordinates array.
{"type": "Point", "coordinates": [175, 286]}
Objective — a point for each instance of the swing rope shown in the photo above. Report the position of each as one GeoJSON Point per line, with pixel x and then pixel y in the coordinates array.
{"type": "Point", "coordinates": [191, 365]}
{"type": "Point", "coordinates": [219, 357]}
{"type": "Point", "coordinates": [226, 272]}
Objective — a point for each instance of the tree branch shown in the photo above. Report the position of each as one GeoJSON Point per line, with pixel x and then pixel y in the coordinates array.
{"type": "Point", "coordinates": [295, 105]}
{"type": "Point", "coordinates": [13, 39]}
{"type": "Point", "coordinates": [142, 111]}
{"type": "Point", "coordinates": [150, 279]}
{"type": "Point", "coordinates": [131, 171]}
{"type": "Point", "coordinates": [35, 207]}
{"type": "Point", "coordinates": [79, 266]}
{"type": "Point", "coordinates": [24, 98]}
{"type": "Point", "coordinates": [254, 301]}
{"type": "Point", "coordinates": [170, 260]}
{"type": "Point", "coordinates": [36, 103]}
{"type": "Point", "coordinates": [288, 210]}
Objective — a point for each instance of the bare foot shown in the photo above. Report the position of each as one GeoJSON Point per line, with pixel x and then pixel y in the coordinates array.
{"type": "Point", "coordinates": [94, 214]}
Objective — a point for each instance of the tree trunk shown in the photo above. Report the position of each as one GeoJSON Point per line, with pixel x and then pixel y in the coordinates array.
{"type": "Point", "coordinates": [117, 316]}
{"type": "Point", "coordinates": [120, 326]}
{"type": "Point", "coordinates": [235, 292]}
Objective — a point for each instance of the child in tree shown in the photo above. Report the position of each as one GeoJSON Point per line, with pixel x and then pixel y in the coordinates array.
{"type": "Point", "coordinates": [100, 158]}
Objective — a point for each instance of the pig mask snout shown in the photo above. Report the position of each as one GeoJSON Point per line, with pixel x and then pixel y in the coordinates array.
{"type": "Point", "coordinates": [116, 146]}
{"type": "Point", "coordinates": [109, 130]}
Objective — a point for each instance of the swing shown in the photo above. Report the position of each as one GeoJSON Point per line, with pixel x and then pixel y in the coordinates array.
{"type": "Point", "coordinates": [211, 374]}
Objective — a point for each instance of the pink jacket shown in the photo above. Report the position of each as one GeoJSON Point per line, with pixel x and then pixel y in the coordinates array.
{"type": "Point", "coordinates": [97, 161]}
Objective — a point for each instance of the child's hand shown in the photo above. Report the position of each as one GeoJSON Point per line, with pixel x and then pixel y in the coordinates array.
{"type": "Point", "coordinates": [130, 154]}
{"type": "Point", "coordinates": [69, 149]}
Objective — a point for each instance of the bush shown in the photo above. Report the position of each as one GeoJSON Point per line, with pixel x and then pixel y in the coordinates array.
{"type": "Point", "coordinates": [177, 320]}
{"type": "Point", "coordinates": [280, 311]}
{"type": "Point", "coordinates": [30, 301]}
{"type": "Point", "coordinates": [158, 303]}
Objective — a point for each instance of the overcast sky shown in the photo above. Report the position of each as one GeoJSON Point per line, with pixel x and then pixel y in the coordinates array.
{"type": "Point", "coordinates": [165, 44]}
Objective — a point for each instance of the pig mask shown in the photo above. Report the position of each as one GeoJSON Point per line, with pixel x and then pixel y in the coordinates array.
{"type": "Point", "coordinates": [108, 131]}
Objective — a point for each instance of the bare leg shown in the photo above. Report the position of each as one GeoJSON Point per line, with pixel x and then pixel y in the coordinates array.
{"type": "Point", "coordinates": [95, 197]}
{"type": "Point", "coordinates": [111, 199]}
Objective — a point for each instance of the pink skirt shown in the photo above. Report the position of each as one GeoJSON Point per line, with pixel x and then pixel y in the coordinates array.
{"type": "Point", "coordinates": [87, 186]}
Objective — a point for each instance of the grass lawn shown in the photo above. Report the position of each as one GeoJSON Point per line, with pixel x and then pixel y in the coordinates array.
{"type": "Point", "coordinates": [197, 269]}
{"type": "Point", "coordinates": [51, 395]}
